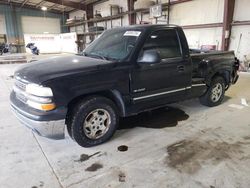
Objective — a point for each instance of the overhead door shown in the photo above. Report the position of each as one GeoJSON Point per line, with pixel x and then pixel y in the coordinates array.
{"type": "Point", "coordinates": [40, 25]}
{"type": "Point", "coordinates": [2, 24]}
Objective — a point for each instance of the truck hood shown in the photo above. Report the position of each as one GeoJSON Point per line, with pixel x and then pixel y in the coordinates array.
{"type": "Point", "coordinates": [43, 70]}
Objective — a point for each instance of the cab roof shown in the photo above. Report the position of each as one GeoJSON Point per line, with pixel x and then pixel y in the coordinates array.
{"type": "Point", "coordinates": [152, 26]}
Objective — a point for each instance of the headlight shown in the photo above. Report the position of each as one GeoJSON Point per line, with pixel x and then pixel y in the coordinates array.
{"type": "Point", "coordinates": [37, 90]}
{"type": "Point", "coordinates": [39, 97]}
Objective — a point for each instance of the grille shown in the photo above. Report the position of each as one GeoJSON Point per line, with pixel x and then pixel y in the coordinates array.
{"type": "Point", "coordinates": [21, 85]}
{"type": "Point", "coordinates": [21, 97]}
{"type": "Point", "coordinates": [20, 89]}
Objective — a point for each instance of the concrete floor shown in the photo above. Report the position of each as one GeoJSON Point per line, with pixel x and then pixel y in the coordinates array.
{"type": "Point", "coordinates": [210, 149]}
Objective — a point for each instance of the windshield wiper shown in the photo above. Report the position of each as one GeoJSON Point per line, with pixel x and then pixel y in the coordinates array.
{"type": "Point", "coordinates": [95, 55]}
{"type": "Point", "coordinates": [100, 56]}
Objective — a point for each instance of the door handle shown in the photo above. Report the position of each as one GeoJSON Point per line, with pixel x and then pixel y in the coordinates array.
{"type": "Point", "coordinates": [180, 68]}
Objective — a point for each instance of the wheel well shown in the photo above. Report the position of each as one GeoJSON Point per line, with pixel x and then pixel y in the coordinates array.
{"type": "Point", "coordinates": [113, 95]}
{"type": "Point", "coordinates": [223, 74]}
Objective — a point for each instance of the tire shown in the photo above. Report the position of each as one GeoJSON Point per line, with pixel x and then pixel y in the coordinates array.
{"type": "Point", "coordinates": [93, 121]}
{"type": "Point", "coordinates": [215, 93]}
{"type": "Point", "coordinates": [68, 126]}
{"type": "Point", "coordinates": [5, 50]}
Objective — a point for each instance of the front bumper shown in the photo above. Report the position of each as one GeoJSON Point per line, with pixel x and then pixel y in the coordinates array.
{"type": "Point", "coordinates": [50, 128]}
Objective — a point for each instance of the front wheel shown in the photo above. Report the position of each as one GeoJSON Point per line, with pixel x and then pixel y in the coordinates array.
{"type": "Point", "coordinates": [93, 121]}
{"type": "Point", "coordinates": [215, 93]}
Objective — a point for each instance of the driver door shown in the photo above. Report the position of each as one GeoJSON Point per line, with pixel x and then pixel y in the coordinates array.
{"type": "Point", "coordinates": [167, 80]}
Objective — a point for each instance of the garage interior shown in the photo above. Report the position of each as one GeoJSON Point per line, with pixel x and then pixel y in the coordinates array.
{"type": "Point", "coordinates": [183, 145]}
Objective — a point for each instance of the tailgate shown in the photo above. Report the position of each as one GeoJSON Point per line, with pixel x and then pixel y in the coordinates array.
{"type": "Point", "coordinates": [235, 75]}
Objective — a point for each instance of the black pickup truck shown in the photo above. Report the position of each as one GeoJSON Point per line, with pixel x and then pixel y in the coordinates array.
{"type": "Point", "coordinates": [124, 72]}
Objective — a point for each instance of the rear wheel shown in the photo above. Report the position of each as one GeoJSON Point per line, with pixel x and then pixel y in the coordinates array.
{"type": "Point", "coordinates": [93, 121]}
{"type": "Point", "coordinates": [215, 93]}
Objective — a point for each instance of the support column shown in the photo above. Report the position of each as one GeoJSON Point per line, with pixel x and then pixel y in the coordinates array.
{"type": "Point", "coordinates": [90, 14]}
{"type": "Point", "coordinates": [227, 21]}
{"type": "Point", "coordinates": [131, 16]}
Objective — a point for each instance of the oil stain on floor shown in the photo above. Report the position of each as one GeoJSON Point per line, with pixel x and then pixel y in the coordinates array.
{"type": "Point", "coordinates": [160, 118]}
{"type": "Point", "coordinates": [40, 185]}
{"type": "Point", "coordinates": [94, 167]}
{"type": "Point", "coordinates": [85, 157]}
{"type": "Point", "coordinates": [122, 148]}
{"type": "Point", "coordinates": [188, 155]}
{"type": "Point", "coordinates": [122, 177]}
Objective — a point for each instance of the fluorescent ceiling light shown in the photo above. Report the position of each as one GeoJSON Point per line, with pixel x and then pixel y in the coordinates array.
{"type": "Point", "coordinates": [44, 8]}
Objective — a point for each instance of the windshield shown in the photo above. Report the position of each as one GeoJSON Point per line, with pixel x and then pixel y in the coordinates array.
{"type": "Point", "coordinates": [114, 44]}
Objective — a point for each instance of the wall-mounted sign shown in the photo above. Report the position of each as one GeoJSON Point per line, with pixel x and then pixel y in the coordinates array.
{"type": "Point", "coordinates": [53, 43]}
{"type": "Point", "coordinates": [155, 11]}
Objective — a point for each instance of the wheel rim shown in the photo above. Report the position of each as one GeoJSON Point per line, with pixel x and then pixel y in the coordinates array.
{"type": "Point", "coordinates": [216, 92]}
{"type": "Point", "coordinates": [97, 123]}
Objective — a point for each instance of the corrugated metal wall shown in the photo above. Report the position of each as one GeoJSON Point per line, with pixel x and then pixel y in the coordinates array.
{"type": "Point", "coordinates": [13, 20]}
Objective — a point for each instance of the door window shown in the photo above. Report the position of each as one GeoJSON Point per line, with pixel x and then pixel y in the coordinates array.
{"type": "Point", "coordinates": [165, 42]}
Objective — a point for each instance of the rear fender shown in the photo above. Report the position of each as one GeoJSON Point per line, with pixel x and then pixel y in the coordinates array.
{"type": "Point", "coordinates": [223, 73]}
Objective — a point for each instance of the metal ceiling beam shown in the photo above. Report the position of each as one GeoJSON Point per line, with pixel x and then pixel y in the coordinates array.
{"type": "Point", "coordinates": [24, 2]}
{"type": "Point", "coordinates": [73, 10]}
{"type": "Point", "coordinates": [51, 7]}
{"type": "Point", "coordinates": [14, 4]}
{"type": "Point", "coordinates": [68, 3]}
{"type": "Point", "coordinates": [86, 2]}
{"type": "Point", "coordinates": [39, 4]}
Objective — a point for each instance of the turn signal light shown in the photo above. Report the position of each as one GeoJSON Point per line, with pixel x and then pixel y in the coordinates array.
{"type": "Point", "coordinates": [48, 107]}
{"type": "Point", "coordinates": [41, 106]}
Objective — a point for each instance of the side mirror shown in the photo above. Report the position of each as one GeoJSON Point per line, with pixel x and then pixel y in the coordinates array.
{"type": "Point", "coordinates": [149, 57]}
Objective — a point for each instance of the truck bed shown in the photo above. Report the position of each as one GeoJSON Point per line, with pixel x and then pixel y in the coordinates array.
{"type": "Point", "coordinates": [203, 62]}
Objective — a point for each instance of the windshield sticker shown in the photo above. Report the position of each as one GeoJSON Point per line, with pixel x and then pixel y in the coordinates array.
{"type": "Point", "coordinates": [153, 36]}
{"type": "Point", "coordinates": [132, 33]}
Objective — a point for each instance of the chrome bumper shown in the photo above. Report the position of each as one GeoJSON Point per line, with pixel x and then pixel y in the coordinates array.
{"type": "Point", "coordinates": [49, 129]}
